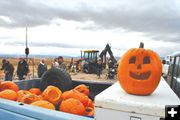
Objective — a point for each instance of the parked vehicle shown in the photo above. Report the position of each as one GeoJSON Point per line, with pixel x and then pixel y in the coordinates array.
{"type": "Point", "coordinates": [173, 77]}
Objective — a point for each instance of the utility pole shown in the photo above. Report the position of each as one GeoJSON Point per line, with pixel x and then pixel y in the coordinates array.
{"type": "Point", "coordinates": [26, 49]}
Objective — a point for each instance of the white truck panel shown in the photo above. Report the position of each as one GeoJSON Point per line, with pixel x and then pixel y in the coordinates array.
{"type": "Point", "coordinates": [116, 99]}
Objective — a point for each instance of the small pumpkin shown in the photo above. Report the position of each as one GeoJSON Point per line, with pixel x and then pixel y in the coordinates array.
{"type": "Point", "coordinates": [139, 71]}
{"type": "Point", "coordinates": [36, 91]}
{"type": "Point", "coordinates": [82, 89]}
{"type": "Point", "coordinates": [52, 94]}
{"type": "Point", "coordinates": [22, 93]}
{"type": "Point", "coordinates": [30, 98]}
{"type": "Point", "coordinates": [76, 95]}
{"type": "Point", "coordinates": [90, 111]}
{"type": "Point", "coordinates": [9, 85]}
{"type": "Point", "coordinates": [44, 104]}
{"type": "Point", "coordinates": [8, 94]}
{"type": "Point", "coordinates": [72, 106]}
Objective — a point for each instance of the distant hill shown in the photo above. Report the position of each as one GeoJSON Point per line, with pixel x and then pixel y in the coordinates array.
{"type": "Point", "coordinates": [32, 56]}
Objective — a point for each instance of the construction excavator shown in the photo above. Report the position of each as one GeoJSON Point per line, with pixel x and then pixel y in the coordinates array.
{"type": "Point", "coordinates": [103, 56]}
{"type": "Point", "coordinates": [90, 58]}
{"type": "Point", "coordinates": [111, 62]}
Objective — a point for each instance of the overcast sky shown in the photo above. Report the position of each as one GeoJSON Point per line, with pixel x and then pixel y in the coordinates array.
{"type": "Point", "coordinates": [64, 27]}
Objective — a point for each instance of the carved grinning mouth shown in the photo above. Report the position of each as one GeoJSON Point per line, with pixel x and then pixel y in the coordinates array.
{"type": "Point", "coordinates": [141, 76]}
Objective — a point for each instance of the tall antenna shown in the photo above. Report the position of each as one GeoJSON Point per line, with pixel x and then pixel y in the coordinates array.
{"type": "Point", "coordinates": [26, 37]}
{"type": "Point", "coordinates": [26, 49]}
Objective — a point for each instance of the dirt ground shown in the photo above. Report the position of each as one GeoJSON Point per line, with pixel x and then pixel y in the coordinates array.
{"type": "Point", "coordinates": [33, 65]}
{"type": "Point", "coordinates": [93, 77]}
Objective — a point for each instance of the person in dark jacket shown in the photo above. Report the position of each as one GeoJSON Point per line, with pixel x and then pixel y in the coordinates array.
{"type": "Point", "coordinates": [62, 65]}
{"type": "Point", "coordinates": [8, 70]}
{"type": "Point", "coordinates": [22, 69]}
{"type": "Point", "coordinates": [42, 67]}
{"type": "Point", "coordinates": [3, 64]}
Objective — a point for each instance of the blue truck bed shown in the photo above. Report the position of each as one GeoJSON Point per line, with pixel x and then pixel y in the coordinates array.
{"type": "Point", "coordinates": [10, 110]}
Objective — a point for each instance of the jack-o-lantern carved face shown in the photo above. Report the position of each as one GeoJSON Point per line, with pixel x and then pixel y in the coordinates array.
{"type": "Point", "coordinates": [139, 71]}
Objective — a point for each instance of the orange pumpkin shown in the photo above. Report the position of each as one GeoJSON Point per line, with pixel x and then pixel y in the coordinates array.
{"type": "Point", "coordinates": [90, 103]}
{"type": "Point", "coordinates": [90, 111]}
{"type": "Point", "coordinates": [139, 71]}
{"type": "Point", "coordinates": [72, 106]}
{"type": "Point", "coordinates": [36, 91]}
{"type": "Point", "coordinates": [76, 95]}
{"type": "Point", "coordinates": [30, 98]}
{"type": "Point", "coordinates": [21, 93]}
{"type": "Point", "coordinates": [8, 94]}
{"type": "Point", "coordinates": [44, 104]}
{"type": "Point", "coordinates": [82, 89]}
{"type": "Point", "coordinates": [8, 85]}
{"type": "Point", "coordinates": [52, 94]}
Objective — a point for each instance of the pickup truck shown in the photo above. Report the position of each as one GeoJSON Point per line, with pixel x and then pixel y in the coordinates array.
{"type": "Point", "coordinates": [173, 76]}
{"type": "Point", "coordinates": [111, 102]}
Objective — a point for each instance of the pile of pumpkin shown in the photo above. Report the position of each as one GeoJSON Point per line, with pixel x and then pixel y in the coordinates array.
{"type": "Point", "coordinates": [75, 101]}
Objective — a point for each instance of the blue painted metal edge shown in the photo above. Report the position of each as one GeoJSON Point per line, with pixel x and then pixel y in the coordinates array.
{"type": "Point", "coordinates": [37, 112]}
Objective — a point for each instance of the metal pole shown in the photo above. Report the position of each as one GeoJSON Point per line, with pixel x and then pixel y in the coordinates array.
{"type": "Point", "coordinates": [27, 49]}
{"type": "Point", "coordinates": [33, 67]}
{"type": "Point", "coordinates": [26, 45]}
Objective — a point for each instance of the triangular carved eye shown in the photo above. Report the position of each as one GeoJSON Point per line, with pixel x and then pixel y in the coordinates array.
{"type": "Point", "coordinates": [146, 60]}
{"type": "Point", "coordinates": [132, 60]}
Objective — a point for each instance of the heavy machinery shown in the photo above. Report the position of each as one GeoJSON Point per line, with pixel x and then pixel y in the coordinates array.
{"type": "Point", "coordinates": [111, 62]}
{"type": "Point", "coordinates": [103, 56]}
{"type": "Point", "coordinates": [90, 60]}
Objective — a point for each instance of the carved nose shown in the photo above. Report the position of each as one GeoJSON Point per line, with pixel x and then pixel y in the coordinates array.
{"type": "Point", "coordinates": [139, 66]}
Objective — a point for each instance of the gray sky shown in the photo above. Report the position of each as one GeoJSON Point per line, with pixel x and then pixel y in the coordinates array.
{"type": "Point", "coordinates": [67, 26]}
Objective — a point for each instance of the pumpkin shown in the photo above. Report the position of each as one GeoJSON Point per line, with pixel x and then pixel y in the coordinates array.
{"type": "Point", "coordinates": [52, 94]}
{"type": "Point", "coordinates": [44, 104]}
{"type": "Point", "coordinates": [36, 91]}
{"type": "Point", "coordinates": [8, 85]}
{"type": "Point", "coordinates": [21, 93]}
{"type": "Point", "coordinates": [30, 98]}
{"type": "Point", "coordinates": [139, 71]}
{"type": "Point", "coordinates": [82, 89]}
{"type": "Point", "coordinates": [72, 106]}
{"type": "Point", "coordinates": [90, 111]}
{"type": "Point", "coordinates": [76, 95]}
{"type": "Point", "coordinates": [8, 94]}
{"type": "Point", "coordinates": [90, 103]}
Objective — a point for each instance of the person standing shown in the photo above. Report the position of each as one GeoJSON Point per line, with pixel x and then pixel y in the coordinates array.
{"type": "Point", "coordinates": [8, 70]}
{"type": "Point", "coordinates": [61, 63]}
{"type": "Point", "coordinates": [42, 68]}
{"type": "Point", "coordinates": [99, 68]}
{"type": "Point", "coordinates": [22, 69]}
{"type": "Point", "coordinates": [3, 64]}
{"type": "Point", "coordinates": [55, 63]}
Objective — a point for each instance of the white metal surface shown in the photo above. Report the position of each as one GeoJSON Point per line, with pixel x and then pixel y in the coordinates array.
{"type": "Point", "coordinates": [115, 99]}
{"type": "Point", "coordinates": [109, 114]}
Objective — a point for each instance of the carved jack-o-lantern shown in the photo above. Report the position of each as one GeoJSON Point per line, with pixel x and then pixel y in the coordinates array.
{"type": "Point", "coordinates": [139, 71]}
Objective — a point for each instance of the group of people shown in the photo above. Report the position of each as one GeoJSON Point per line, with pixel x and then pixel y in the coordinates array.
{"type": "Point", "coordinates": [57, 63]}
{"type": "Point", "coordinates": [23, 68]}
{"type": "Point", "coordinates": [8, 68]}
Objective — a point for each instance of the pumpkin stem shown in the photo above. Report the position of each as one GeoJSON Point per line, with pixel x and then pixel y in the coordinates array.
{"type": "Point", "coordinates": [141, 45]}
